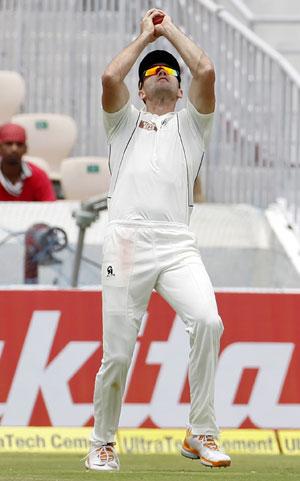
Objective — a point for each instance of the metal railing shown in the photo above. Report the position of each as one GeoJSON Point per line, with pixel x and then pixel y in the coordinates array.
{"type": "Point", "coordinates": [252, 19]}
{"type": "Point", "coordinates": [61, 48]}
{"type": "Point", "coordinates": [258, 23]}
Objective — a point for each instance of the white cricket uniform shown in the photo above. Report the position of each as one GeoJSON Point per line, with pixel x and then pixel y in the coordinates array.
{"type": "Point", "coordinates": [154, 161]}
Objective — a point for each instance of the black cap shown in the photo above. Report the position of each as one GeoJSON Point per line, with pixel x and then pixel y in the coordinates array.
{"type": "Point", "coordinates": [158, 57]}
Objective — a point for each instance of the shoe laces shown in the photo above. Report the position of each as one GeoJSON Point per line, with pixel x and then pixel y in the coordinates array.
{"type": "Point", "coordinates": [208, 441]}
{"type": "Point", "coordinates": [106, 453]}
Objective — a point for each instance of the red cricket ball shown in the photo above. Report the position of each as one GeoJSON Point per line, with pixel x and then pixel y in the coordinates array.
{"type": "Point", "coordinates": [157, 19]}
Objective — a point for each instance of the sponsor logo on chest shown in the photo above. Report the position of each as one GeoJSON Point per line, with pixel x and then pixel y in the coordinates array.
{"type": "Point", "coordinates": [147, 125]}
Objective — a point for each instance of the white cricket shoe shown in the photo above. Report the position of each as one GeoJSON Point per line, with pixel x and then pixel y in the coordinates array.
{"type": "Point", "coordinates": [103, 458]}
{"type": "Point", "coordinates": [204, 447]}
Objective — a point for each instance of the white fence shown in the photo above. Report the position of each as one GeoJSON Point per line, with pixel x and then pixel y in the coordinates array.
{"type": "Point", "coordinates": [278, 23]}
{"type": "Point", "coordinates": [62, 46]}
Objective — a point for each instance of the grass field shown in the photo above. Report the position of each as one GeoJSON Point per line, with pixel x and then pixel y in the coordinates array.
{"type": "Point", "coordinates": [40, 467]}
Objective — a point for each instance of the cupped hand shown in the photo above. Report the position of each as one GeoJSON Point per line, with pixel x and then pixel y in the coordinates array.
{"type": "Point", "coordinates": [160, 28]}
{"type": "Point", "coordinates": [147, 25]}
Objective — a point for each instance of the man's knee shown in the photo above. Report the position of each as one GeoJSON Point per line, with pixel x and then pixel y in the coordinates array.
{"type": "Point", "coordinates": [117, 362]}
{"type": "Point", "coordinates": [213, 323]}
{"type": "Point", "coordinates": [209, 320]}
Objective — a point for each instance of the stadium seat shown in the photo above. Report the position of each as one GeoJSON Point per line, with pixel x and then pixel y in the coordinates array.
{"type": "Point", "coordinates": [39, 162]}
{"type": "Point", "coordinates": [84, 177]}
{"type": "Point", "coordinates": [12, 93]}
{"type": "Point", "coordinates": [50, 136]}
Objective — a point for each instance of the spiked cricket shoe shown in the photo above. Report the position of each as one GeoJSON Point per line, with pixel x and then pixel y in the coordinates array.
{"type": "Point", "coordinates": [205, 448]}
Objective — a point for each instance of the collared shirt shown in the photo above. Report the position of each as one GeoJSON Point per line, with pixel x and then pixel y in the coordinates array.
{"type": "Point", "coordinates": [16, 189]}
{"type": "Point", "coordinates": [154, 161]}
{"type": "Point", "coordinates": [33, 186]}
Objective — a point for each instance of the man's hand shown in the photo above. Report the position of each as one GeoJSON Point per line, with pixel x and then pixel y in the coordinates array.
{"type": "Point", "coordinates": [147, 25]}
{"type": "Point", "coordinates": [160, 28]}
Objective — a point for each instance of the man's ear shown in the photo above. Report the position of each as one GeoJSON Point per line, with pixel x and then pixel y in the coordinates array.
{"type": "Point", "coordinates": [180, 93]}
{"type": "Point", "coordinates": [142, 95]}
{"type": "Point", "coordinates": [24, 149]}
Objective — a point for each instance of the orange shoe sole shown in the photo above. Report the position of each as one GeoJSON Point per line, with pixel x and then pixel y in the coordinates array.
{"type": "Point", "coordinates": [191, 453]}
{"type": "Point", "coordinates": [215, 464]}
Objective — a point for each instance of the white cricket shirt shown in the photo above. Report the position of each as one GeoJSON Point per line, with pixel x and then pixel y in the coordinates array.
{"type": "Point", "coordinates": [154, 161]}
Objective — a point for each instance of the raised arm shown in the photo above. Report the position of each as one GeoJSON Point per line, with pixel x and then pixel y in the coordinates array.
{"type": "Point", "coordinates": [115, 92]}
{"type": "Point", "coordinates": [201, 93]}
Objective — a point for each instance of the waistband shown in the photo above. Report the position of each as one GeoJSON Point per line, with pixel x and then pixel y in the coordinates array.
{"type": "Point", "coordinates": [149, 224]}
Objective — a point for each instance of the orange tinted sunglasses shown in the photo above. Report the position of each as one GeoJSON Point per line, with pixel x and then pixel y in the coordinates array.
{"type": "Point", "coordinates": [154, 71]}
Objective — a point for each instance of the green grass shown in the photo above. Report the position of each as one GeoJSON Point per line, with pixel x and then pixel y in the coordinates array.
{"type": "Point", "coordinates": [40, 467]}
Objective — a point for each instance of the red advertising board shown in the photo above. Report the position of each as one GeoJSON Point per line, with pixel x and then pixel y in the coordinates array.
{"type": "Point", "coordinates": [50, 351]}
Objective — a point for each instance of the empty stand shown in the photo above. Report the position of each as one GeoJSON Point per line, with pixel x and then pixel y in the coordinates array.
{"type": "Point", "coordinates": [12, 93]}
{"type": "Point", "coordinates": [50, 136]}
{"type": "Point", "coordinates": [84, 177]}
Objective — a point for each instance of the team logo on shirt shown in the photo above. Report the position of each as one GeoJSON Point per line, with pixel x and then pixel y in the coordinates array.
{"type": "Point", "coordinates": [147, 125]}
{"type": "Point", "coordinates": [110, 272]}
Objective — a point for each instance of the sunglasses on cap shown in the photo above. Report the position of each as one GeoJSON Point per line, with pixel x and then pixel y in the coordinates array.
{"type": "Point", "coordinates": [154, 71]}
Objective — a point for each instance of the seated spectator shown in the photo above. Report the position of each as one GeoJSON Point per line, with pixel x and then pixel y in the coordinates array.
{"type": "Point", "coordinates": [20, 180]}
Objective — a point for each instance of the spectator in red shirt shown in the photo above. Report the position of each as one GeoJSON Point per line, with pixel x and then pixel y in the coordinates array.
{"type": "Point", "coordinates": [20, 180]}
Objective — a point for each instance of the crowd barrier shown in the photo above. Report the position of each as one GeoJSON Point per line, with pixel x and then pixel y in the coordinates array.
{"type": "Point", "coordinates": [51, 347]}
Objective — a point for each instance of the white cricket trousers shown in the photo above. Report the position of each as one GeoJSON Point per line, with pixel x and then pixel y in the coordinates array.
{"type": "Point", "coordinates": [137, 258]}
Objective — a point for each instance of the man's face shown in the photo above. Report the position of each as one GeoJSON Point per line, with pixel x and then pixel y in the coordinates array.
{"type": "Point", "coordinates": [160, 83]}
{"type": "Point", "coordinates": [12, 152]}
